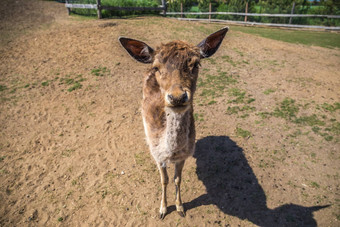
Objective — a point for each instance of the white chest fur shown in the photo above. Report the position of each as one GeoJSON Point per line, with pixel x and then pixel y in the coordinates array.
{"type": "Point", "coordinates": [173, 144]}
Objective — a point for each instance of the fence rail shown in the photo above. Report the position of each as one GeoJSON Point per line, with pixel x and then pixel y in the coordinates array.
{"type": "Point", "coordinates": [263, 24]}
{"type": "Point", "coordinates": [252, 14]}
{"type": "Point", "coordinates": [99, 7]}
{"type": "Point", "coordinates": [246, 15]}
{"type": "Point", "coordinates": [81, 6]}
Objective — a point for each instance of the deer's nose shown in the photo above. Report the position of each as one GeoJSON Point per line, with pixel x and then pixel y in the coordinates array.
{"type": "Point", "coordinates": [178, 99]}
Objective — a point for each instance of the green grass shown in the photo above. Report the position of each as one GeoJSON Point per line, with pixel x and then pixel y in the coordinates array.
{"type": "Point", "coordinates": [287, 110]}
{"type": "Point", "coordinates": [242, 133]}
{"type": "Point", "coordinates": [100, 71]}
{"type": "Point", "coordinates": [213, 85]}
{"type": "Point", "coordinates": [268, 91]}
{"type": "Point", "coordinates": [239, 96]}
{"type": "Point", "coordinates": [330, 107]}
{"type": "Point", "coordinates": [237, 109]}
{"type": "Point", "coordinates": [319, 123]}
{"type": "Point", "coordinates": [73, 82]}
{"type": "Point", "coordinates": [45, 83]}
{"type": "Point", "coordinates": [3, 87]}
{"type": "Point", "coordinates": [310, 38]}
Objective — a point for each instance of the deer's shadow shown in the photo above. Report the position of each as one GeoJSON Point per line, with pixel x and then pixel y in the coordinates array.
{"type": "Point", "coordinates": [232, 186]}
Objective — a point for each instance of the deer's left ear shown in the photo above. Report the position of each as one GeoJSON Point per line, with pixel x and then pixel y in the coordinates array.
{"type": "Point", "coordinates": [211, 44]}
{"type": "Point", "coordinates": [137, 49]}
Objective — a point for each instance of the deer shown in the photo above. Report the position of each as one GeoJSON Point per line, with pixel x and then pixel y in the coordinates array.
{"type": "Point", "coordinates": [169, 86]}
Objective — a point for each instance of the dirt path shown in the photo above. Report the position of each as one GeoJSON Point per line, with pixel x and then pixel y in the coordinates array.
{"type": "Point", "coordinates": [72, 141]}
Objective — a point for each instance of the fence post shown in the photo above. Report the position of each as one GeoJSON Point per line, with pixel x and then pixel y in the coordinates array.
{"type": "Point", "coordinates": [245, 18]}
{"type": "Point", "coordinates": [164, 6]}
{"type": "Point", "coordinates": [181, 9]}
{"type": "Point", "coordinates": [292, 12]}
{"type": "Point", "coordinates": [68, 9]}
{"type": "Point", "coordinates": [99, 9]}
{"type": "Point", "coordinates": [209, 12]}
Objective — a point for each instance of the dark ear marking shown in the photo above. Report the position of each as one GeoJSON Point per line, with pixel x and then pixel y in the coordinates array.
{"type": "Point", "coordinates": [137, 49]}
{"type": "Point", "coordinates": [211, 44]}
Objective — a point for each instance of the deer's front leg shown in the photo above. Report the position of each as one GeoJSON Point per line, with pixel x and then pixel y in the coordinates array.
{"type": "Point", "coordinates": [178, 178]}
{"type": "Point", "coordinates": [164, 181]}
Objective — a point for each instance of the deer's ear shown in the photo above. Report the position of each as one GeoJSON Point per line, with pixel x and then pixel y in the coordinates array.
{"type": "Point", "coordinates": [137, 49]}
{"type": "Point", "coordinates": [211, 44]}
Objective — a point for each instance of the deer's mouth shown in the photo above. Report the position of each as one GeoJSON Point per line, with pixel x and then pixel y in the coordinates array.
{"type": "Point", "coordinates": [179, 108]}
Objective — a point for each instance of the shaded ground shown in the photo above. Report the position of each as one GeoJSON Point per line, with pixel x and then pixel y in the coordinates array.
{"type": "Point", "coordinates": [72, 141]}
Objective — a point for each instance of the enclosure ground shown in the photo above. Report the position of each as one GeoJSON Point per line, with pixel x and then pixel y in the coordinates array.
{"type": "Point", "coordinates": [72, 147]}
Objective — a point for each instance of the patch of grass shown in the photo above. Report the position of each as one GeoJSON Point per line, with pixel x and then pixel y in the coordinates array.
{"type": "Point", "coordinates": [268, 91]}
{"type": "Point", "coordinates": [313, 184]}
{"type": "Point", "coordinates": [67, 153]}
{"type": "Point", "coordinates": [211, 102]}
{"type": "Point", "coordinates": [237, 109]}
{"type": "Point", "coordinates": [287, 110]}
{"type": "Point", "coordinates": [265, 164]}
{"type": "Point", "coordinates": [198, 117]}
{"type": "Point", "coordinates": [214, 86]}
{"type": "Point", "coordinates": [3, 87]}
{"type": "Point", "coordinates": [320, 124]}
{"type": "Point", "coordinates": [238, 51]}
{"type": "Point", "coordinates": [229, 60]}
{"type": "Point", "coordinates": [211, 61]}
{"type": "Point", "coordinates": [335, 128]}
{"type": "Point", "coordinates": [74, 82]}
{"type": "Point", "coordinates": [75, 86]}
{"type": "Point", "coordinates": [140, 159]}
{"type": "Point", "coordinates": [100, 71]}
{"type": "Point", "coordinates": [310, 38]}
{"type": "Point", "coordinates": [331, 108]}
{"type": "Point", "coordinates": [208, 92]}
{"type": "Point", "coordinates": [2, 158]}
{"type": "Point", "coordinates": [45, 83]}
{"type": "Point", "coordinates": [309, 120]}
{"type": "Point", "coordinates": [239, 96]}
{"type": "Point", "coordinates": [60, 219]}
{"type": "Point", "coordinates": [242, 133]}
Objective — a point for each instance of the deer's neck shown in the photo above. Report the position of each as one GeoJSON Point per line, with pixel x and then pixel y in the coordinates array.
{"type": "Point", "coordinates": [177, 129]}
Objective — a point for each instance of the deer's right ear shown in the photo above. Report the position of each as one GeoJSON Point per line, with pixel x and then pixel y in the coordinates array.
{"type": "Point", "coordinates": [137, 49]}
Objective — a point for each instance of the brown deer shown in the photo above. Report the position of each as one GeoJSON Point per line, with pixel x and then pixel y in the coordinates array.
{"type": "Point", "coordinates": [167, 107]}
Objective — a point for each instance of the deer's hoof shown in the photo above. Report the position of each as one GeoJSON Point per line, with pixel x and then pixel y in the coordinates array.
{"type": "Point", "coordinates": [181, 213]}
{"type": "Point", "coordinates": [180, 210]}
{"type": "Point", "coordinates": [162, 215]}
{"type": "Point", "coordinates": [162, 212]}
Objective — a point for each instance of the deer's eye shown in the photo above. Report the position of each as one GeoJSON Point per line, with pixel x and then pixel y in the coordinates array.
{"type": "Point", "coordinates": [155, 69]}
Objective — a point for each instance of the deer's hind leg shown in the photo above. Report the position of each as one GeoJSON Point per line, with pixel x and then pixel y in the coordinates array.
{"type": "Point", "coordinates": [164, 181]}
{"type": "Point", "coordinates": [178, 179]}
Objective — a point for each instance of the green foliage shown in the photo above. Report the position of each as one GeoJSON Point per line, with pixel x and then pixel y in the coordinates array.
{"type": "Point", "coordinates": [45, 83]}
{"type": "Point", "coordinates": [326, 7]}
{"type": "Point", "coordinates": [268, 91]}
{"type": "Point", "coordinates": [287, 109]}
{"type": "Point", "coordinates": [73, 82]}
{"type": "Point", "coordinates": [100, 71]}
{"type": "Point", "coordinates": [309, 120]}
{"type": "Point", "coordinates": [117, 3]}
{"type": "Point", "coordinates": [242, 133]}
{"type": "Point", "coordinates": [214, 85]}
{"type": "Point", "coordinates": [331, 108]}
{"type": "Point", "coordinates": [2, 87]}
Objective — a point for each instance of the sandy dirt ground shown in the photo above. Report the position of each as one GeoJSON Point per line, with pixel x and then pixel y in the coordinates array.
{"type": "Point", "coordinates": [72, 144]}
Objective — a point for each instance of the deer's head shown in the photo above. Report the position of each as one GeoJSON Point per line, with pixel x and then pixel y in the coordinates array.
{"type": "Point", "coordinates": [175, 66]}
